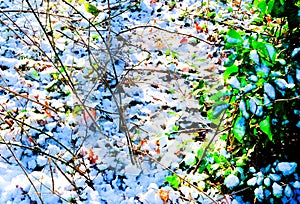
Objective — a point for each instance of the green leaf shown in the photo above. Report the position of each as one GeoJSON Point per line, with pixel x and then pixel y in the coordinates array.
{"type": "Point", "coordinates": [172, 112]}
{"type": "Point", "coordinates": [230, 70]}
{"type": "Point", "coordinates": [265, 126]}
{"type": "Point", "coordinates": [168, 52]}
{"type": "Point", "coordinates": [175, 128]}
{"type": "Point", "coordinates": [256, 2]}
{"type": "Point", "coordinates": [270, 6]}
{"type": "Point", "coordinates": [282, 2]}
{"type": "Point", "coordinates": [234, 37]}
{"type": "Point", "coordinates": [91, 9]}
{"type": "Point", "coordinates": [218, 108]}
{"type": "Point", "coordinates": [261, 48]}
{"type": "Point", "coordinates": [239, 129]}
{"type": "Point", "coordinates": [272, 52]}
{"type": "Point", "coordinates": [175, 54]}
{"type": "Point", "coordinates": [34, 74]}
{"type": "Point", "coordinates": [217, 96]}
{"type": "Point", "coordinates": [262, 6]}
{"type": "Point", "coordinates": [200, 152]}
{"type": "Point", "coordinates": [173, 180]}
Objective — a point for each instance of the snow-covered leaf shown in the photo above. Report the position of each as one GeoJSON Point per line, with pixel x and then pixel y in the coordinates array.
{"type": "Point", "coordinates": [243, 109]}
{"type": "Point", "coordinates": [277, 190]}
{"type": "Point", "coordinates": [234, 82]}
{"type": "Point", "coordinates": [287, 168]}
{"type": "Point", "coordinates": [269, 90]}
{"type": "Point", "coordinates": [252, 181]}
{"type": "Point", "coordinates": [259, 193]}
{"type": "Point", "coordinates": [267, 181]}
{"type": "Point", "coordinates": [256, 107]}
{"type": "Point", "coordinates": [275, 177]}
{"type": "Point", "coordinates": [239, 128]}
{"type": "Point", "coordinates": [288, 191]}
{"type": "Point", "coordinates": [296, 184]}
{"type": "Point", "coordinates": [254, 56]}
{"type": "Point", "coordinates": [271, 51]}
{"type": "Point", "coordinates": [282, 84]}
{"type": "Point", "coordinates": [298, 74]}
{"type": "Point", "coordinates": [231, 181]}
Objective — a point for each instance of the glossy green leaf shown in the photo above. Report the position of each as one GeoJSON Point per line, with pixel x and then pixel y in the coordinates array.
{"type": "Point", "coordinates": [282, 2]}
{"type": "Point", "coordinates": [265, 126]}
{"type": "Point", "coordinates": [200, 152]}
{"type": "Point", "coordinates": [168, 52]}
{"type": "Point", "coordinates": [239, 129]}
{"type": "Point", "coordinates": [91, 9]}
{"type": "Point", "coordinates": [218, 109]}
{"type": "Point", "coordinates": [217, 96]}
{"type": "Point", "coordinates": [261, 49]}
{"type": "Point", "coordinates": [229, 71]}
{"type": "Point", "coordinates": [271, 51]}
{"type": "Point", "coordinates": [262, 6]}
{"type": "Point", "coordinates": [34, 73]}
{"type": "Point", "coordinates": [270, 6]}
{"type": "Point", "coordinates": [174, 181]}
{"type": "Point", "coordinates": [234, 37]}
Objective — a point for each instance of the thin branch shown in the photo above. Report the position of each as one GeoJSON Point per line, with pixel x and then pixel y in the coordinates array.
{"type": "Point", "coordinates": [22, 167]}
{"type": "Point", "coordinates": [173, 172]}
{"type": "Point", "coordinates": [168, 31]}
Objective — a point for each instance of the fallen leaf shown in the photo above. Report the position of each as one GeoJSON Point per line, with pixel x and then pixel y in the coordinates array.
{"type": "Point", "coordinates": [198, 27]}
{"type": "Point", "coordinates": [185, 69]}
{"type": "Point", "coordinates": [183, 40]}
{"type": "Point", "coordinates": [164, 195]}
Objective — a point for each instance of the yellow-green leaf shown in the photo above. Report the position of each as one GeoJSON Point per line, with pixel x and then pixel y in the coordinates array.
{"type": "Point", "coordinates": [91, 9]}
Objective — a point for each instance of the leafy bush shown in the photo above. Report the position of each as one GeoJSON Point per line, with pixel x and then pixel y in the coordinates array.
{"type": "Point", "coordinates": [260, 105]}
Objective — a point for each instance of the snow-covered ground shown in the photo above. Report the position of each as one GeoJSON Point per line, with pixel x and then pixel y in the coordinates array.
{"type": "Point", "coordinates": [55, 151]}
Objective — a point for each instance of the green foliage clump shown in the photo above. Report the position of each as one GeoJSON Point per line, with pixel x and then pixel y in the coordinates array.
{"type": "Point", "coordinates": [259, 110]}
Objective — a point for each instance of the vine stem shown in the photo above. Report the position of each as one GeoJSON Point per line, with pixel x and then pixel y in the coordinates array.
{"type": "Point", "coordinates": [210, 142]}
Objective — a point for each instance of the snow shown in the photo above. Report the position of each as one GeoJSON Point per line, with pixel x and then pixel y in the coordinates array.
{"type": "Point", "coordinates": [231, 181]}
{"type": "Point", "coordinates": [269, 90]}
{"type": "Point", "coordinates": [81, 161]}
{"type": "Point", "coordinates": [277, 189]}
{"type": "Point", "coordinates": [259, 193]}
{"type": "Point", "coordinates": [252, 181]}
{"type": "Point", "coordinates": [287, 168]}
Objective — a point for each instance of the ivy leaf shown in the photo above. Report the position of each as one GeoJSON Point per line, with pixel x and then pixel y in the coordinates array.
{"type": "Point", "coordinates": [218, 108]}
{"type": "Point", "coordinates": [91, 9]}
{"type": "Point", "coordinates": [265, 126]}
{"type": "Point", "coordinates": [270, 6]}
{"type": "Point", "coordinates": [239, 128]}
{"type": "Point", "coordinates": [168, 52]}
{"type": "Point", "coordinates": [262, 6]}
{"type": "Point", "coordinates": [261, 49]}
{"type": "Point", "coordinates": [269, 90]}
{"type": "Point", "coordinates": [217, 96]}
{"type": "Point", "coordinates": [234, 37]}
{"type": "Point", "coordinates": [34, 74]}
{"type": "Point", "coordinates": [255, 106]}
{"type": "Point", "coordinates": [173, 180]}
{"type": "Point", "coordinates": [230, 70]}
{"type": "Point", "coordinates": [272, 52]}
